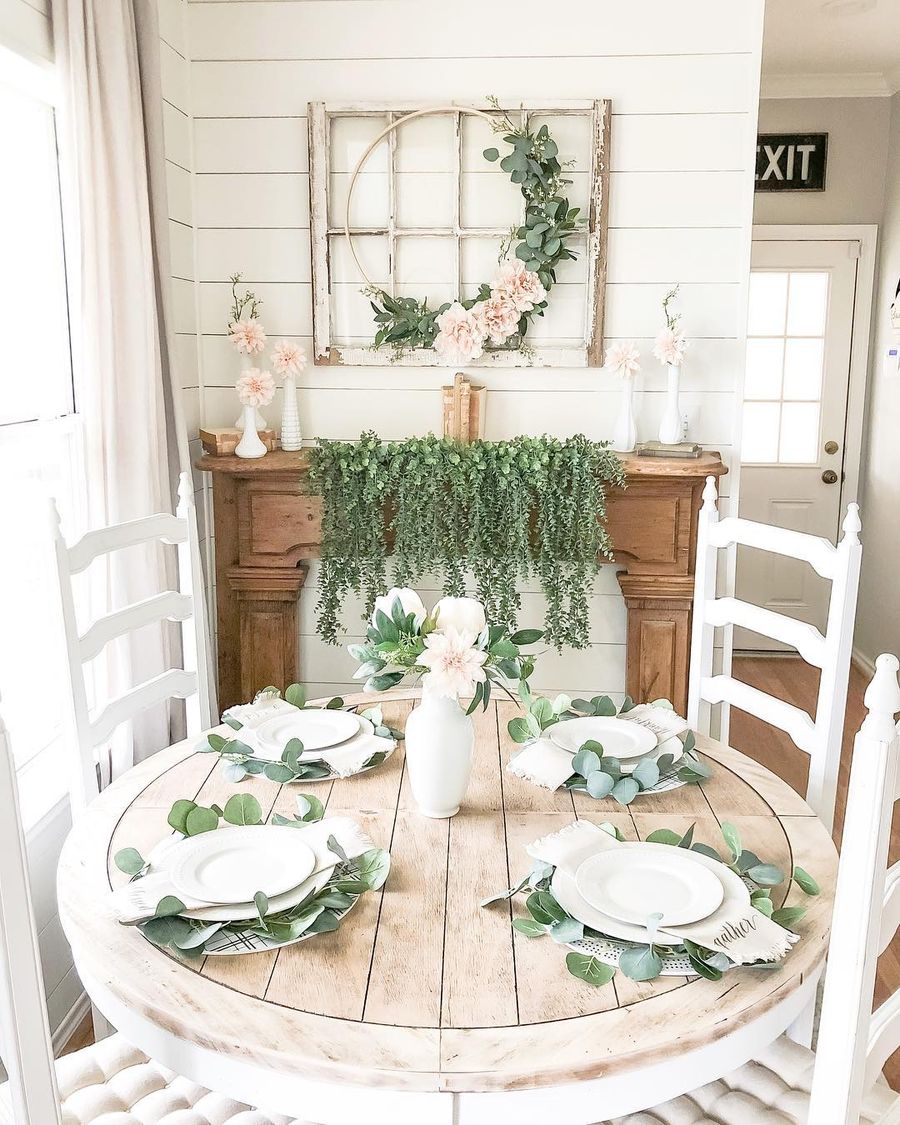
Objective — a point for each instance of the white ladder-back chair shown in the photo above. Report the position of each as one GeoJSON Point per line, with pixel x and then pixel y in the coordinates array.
{"type": "Point", "coordinates": [110, 1081]}
{"type": "Point", "coordinates": [821, 737]}
{"type": "Point", "coordinates": [842, 1083]}
{"type": "Point", "coordinates": [185, 605]}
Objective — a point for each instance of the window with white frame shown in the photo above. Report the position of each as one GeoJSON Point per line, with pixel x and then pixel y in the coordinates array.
{"type": "Point", "coordinates": [788, 313]}
{"type": "Point", "coordinates": [430, 216]}
{"type": "Point", "coordinates": [40, 447]}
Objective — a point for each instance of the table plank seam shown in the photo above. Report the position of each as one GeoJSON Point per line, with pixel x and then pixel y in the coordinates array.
{"type": "Point", "coordinates": [509, 909]}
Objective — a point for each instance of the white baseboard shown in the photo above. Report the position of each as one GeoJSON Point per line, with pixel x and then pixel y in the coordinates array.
{"type": "Point", "coordinates": [70, 1023]}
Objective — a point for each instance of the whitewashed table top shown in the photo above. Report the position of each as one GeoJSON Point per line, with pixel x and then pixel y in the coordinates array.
{"type": "Point", "coordinates": [421, 988]}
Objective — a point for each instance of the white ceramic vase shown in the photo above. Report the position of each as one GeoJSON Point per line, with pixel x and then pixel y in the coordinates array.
{"type": "Point", "coordinates": [625, 433]}
{"type": "Point", "coordinates": [440, 738]}
{"type": "Point", "coordinates": [251, 444]}
{"type": "Point", "coordinates": [247, 362]}
{"type": "Point", "coordinates": [291, 437]}
{"type": "Point", "coordinates": [670, 432]}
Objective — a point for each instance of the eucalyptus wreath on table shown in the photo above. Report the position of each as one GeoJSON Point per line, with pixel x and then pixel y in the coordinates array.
{"type": "Point", "coordinates": [242, 760]}
{"type": "Point", "coordinates": [499, 314]}
{"type": "Point", "coordinates": [320, 912]}
{"type": "Point", "coordinates": [504, 511]}
{"type": "Point", "coordinates": [642, 962]}
{"type": "Point", "coordinates": [595, 772]}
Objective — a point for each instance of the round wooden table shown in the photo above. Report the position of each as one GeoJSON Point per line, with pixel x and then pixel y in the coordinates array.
{"type": "Point", "coordinates": [423, 1006]}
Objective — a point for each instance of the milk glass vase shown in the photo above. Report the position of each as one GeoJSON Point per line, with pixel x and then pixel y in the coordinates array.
{"type": "Point", "coordinates": [440, 739]}
{"type": "Point", "coordinates": [625, 433]}
{"type": "Point", "coordinates": [291, 438]}
{"type": "Point", "coordinates": [670, 423]}
{"type": "Point", "coordinates": [250, 445]}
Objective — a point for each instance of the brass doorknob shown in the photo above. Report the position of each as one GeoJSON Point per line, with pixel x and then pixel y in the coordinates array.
{"type": "Point", "coordinates": [829, 476]}
{"type": "Point", "coordinates": [831, 447]}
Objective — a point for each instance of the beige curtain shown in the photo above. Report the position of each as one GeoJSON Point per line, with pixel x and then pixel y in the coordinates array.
{"type": "Point", "coordinates": [112, 155]}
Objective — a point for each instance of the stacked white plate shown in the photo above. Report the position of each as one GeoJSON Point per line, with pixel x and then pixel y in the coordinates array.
{"type": "Point", "coordinates": [317, 728]}
{"type": "Point", "coordinates": [627, 741]}
{"type": "Point", "coordinates": [217, 874]}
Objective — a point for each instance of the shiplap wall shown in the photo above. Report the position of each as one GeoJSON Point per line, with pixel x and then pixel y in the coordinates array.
{"type": "Point", "coordinates": [683, 80]}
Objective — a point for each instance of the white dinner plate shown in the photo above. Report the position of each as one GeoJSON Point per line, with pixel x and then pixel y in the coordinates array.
{"type": "Point", "coordinates": [318, 729]}
{"type": "Point", "coordinates": [245, 911]}
{"type": "Point", "coordinates": [673, 746]}
{"type": "Point", "coordinates": [618, 737]}
{"type": "Point", "coordinates": [233, 864]}
{"type": "Point", "coordinates": [565, 891]}
{"type": "Point", "coordinates": [630, 884]}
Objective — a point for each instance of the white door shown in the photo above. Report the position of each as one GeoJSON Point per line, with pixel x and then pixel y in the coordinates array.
{"type": "Point", "coordinates": [799, 333]}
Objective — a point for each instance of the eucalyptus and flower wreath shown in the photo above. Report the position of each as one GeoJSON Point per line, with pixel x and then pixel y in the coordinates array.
{"type": "Point", "coordinates": [499, 315]}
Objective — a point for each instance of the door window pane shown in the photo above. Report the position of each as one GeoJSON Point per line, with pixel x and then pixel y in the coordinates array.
{"type": "Point", "coordinates": [768, 301]}
{"type": "Point", "coordinates": [765, 359]}
{"type": "Point", "coordinates": [807, 304]}
{"type": "Point", "coordinates": [760, 437]}
{"type": "Point", "coordinates": [799, 442]}
{"type": "Point", "coordinates": [803, 359]}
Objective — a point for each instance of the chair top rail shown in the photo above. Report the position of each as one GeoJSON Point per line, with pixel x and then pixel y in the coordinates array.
{"type": "Point", "coordinates": [176, 683]}
{"type": "Point", "coordinates": [790, 719]}
{"type": "Point", "coordinates": [813, 549]}
{"type": "Point", "coordinates": [164, 528]}
{"type": "Point", "coordinates": [806, 638]}
{"type": "Point", "coordinates": [170, 605]}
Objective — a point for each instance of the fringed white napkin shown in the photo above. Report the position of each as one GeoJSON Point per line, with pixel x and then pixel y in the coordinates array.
{"type": "Point", "coordinates": [345, 760]}
{"type": "Point", "coordinates": [137, 901]}
{"type": "Point", "coordinates": [664, 722]}
{"type": "Point", "coordinates": [736, 928]}
{"type": "Point", "coordinates": [542, 763]}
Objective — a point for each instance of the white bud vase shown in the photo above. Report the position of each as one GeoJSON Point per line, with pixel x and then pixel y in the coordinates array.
{"type": "Point", "coordinates": [250, 444]}
{"type": "Point", "coordinates": [246, 363]}
{"type": "Point", "coordinates": [670, 425]}
{"type": "Point", "coordinates": [440, 739]}
{"type": "Point", "coordinates": [625, 433]}
{"type": "Point", "coordinates": [291, 438]}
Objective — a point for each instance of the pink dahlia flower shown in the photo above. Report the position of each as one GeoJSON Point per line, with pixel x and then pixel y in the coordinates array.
{"type": "Point", "coordinates": [255, 387]}
{"type": "Point", "coordinates": [459, 338]}
{"type": "Point", "coordinates": [519, 285]}
{"type": "Point", "coordinates": [247, 336]}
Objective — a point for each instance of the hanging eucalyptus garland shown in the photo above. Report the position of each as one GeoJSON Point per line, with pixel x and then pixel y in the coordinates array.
{"type": "Point", "coordinates": [500, 511]}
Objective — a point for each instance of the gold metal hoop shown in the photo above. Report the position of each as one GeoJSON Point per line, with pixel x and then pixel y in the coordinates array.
{"type": "Point", "coordinates": [492, 117]}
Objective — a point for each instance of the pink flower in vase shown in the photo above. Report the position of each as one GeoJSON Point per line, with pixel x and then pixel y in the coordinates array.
{"type": "Point", "coordinates": [255, 387]}
{"type": "Point", "coordinates": [247, 336]}
{"type": "Point", "coordinates": [454, 663]}
{"type": "Point", "coordinates": [497, 317]}
{"type": "Point", "coordinates": [519, 285]}
{"type": "Point", "coordinates": [670, 346]}
{"type": "Point", "coordinates": [288, 358]}
{"type": "Point", "coordinates": [459, 338]}
{"type": "Point", "coordinates": [623, 358]}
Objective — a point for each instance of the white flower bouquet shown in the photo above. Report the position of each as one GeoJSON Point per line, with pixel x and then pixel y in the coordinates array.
{"type": "Point", "coordinates": [453, 648]}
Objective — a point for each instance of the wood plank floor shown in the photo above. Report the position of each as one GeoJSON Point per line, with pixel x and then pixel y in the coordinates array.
{"type": "Point", "coordinates": [793, 680]}
{"type": "Point", "coordinates": [788, 678]}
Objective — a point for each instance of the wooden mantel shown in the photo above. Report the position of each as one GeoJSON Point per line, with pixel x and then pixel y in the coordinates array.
{"type": "Point", "coordinates": [266, 526]}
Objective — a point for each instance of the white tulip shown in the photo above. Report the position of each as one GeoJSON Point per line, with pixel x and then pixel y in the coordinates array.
{"type": "Point", "coordinates": [409, 600]}
{"type": "Point", "coordinates": [464, 615]}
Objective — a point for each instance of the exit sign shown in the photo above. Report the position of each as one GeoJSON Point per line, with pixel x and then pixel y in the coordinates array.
{"type": "Point", "coordinates": [791, 161]}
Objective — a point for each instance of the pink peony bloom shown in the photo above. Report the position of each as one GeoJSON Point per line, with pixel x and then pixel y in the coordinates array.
{"type": "Point", "coordinates": [519, 285]}
{"type": "Point", "coordinates": [247, 336]}
{"type": "Point", "coordinates": [670, 345]}
{"type": "Point", "coordinates": [455, 665]}
{"type": "Point", "coordinates": [624, 359]}
{"type": "Point", "coordinates": [255, 387]}
{"type": "Point", "coordinates": [288, 358]}
{"type": "Point", "coordinates": [497, 317]}
{"type": "Point", "coordinates": [459, 338]}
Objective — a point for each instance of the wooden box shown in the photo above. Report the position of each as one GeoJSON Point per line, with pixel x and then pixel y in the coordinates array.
{"type": "Point", "coordinates": [223, 440]}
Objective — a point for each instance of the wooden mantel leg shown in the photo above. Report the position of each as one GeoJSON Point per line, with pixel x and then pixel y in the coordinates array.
{"type": "Point", "coordinates": [267, 609]}
{"type": "Point", "coordinates": [659, 637]}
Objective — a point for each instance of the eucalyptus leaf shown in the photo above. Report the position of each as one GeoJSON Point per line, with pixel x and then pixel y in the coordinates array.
{"type": "Point", "coordinates": [242, 808]}
{"type": "Point", "coordinates": [519, 731]}
{"type": "Point", "coordinates": [640, 962]}
{"type": "Point", "coordinates": [590, 969]}
{"type": "Point", "coordinates": [335, 848]}
{"type": "Point", "coordinates": [234, 772]}
{"type": "Point", "coordinates": [788, 916]}
{"type": "Point", "coordinates": [372, 867]}
{"type": "Point", "coordinates": [646, 773]}
{"type": "Point", "coordinates": [732, 838]}
{"type": "Point", "coordinates": [603, 706]}
{"type": "Point", "coordinates": [295, 694]}
{"type": "Point", "coordinates": [529, 927]}
{"type": "Point", "coordinates": [165, 930]}
{"type": "Point", "coordinates": [490, 154]}
{"type": "Point", "coordinates": [566, 931]}
{"type": "Point", "coordinates": [600, 784]}
{"type": "Point", "coordinates": [177, 817]}
{"type": "Point", "coordinates": [129, 860]}
{"type": "Point", "coordinates": [200, 820]}
{"type": "Point", "coordinates": [766, 874]}
{"type": "Point", "coordinates": [526, 636]}
{"type": "Point", "coordinates": [664, 836]}
{"type": "Point", "coordinates": [261, 902]}
{"type": "Point", "coordinates": [586, 762]}
{"type": "Point", "coordinates": [625, 791]}
{"type": "Point", "coordinates": [167, 906]}
{"type": "Point", "coordinates": [806, 882]}
{"type": "Point", "coordinates": [544, 908]}
{"type": "Point", "coordinates": [278, 772]}
{"type": "Point", "coordinates": [195, 938]}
